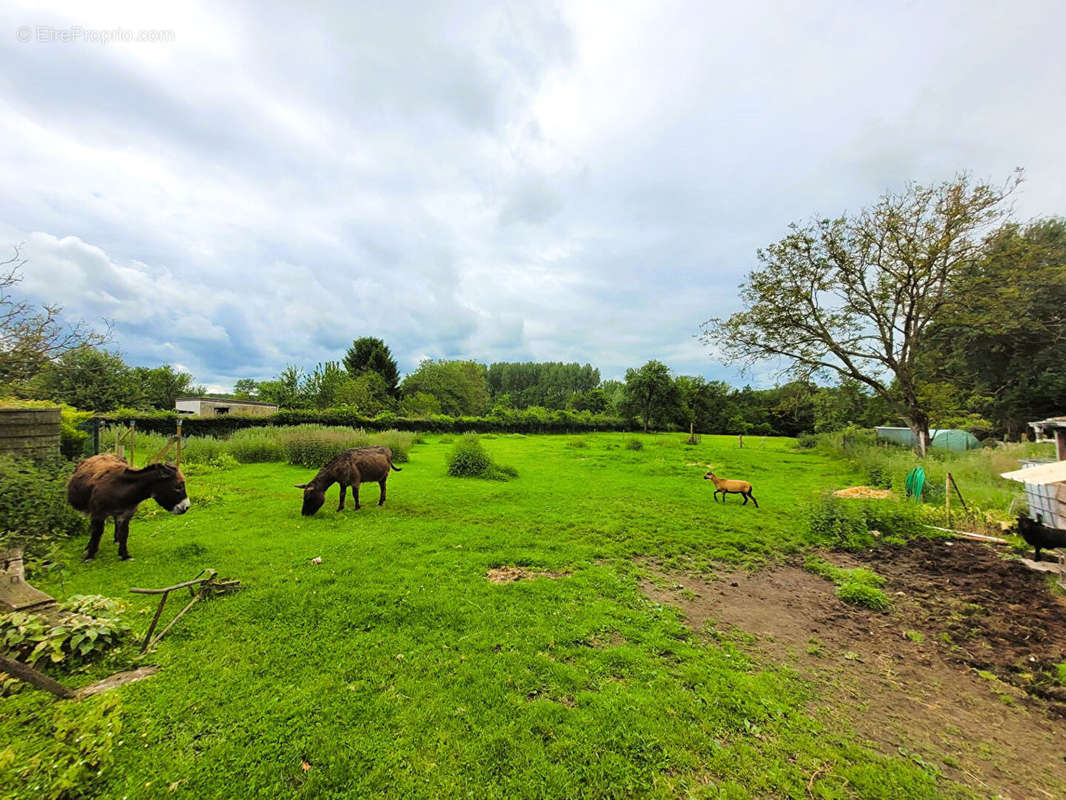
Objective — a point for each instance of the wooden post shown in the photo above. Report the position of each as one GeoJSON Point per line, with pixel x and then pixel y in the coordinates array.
{"type": "Point", "coordinates": [947, 497]}
{"type": "Point", "coordinates": [133, 442]}
{"type": "Point", "coordinates": [178, 456]}
{"type": "Point", "coordinates": [740, 440]}
{"type": "Point", "coordinates": [27, 673]}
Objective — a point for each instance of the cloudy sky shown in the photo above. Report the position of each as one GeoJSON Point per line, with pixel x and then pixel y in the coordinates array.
{"type": "Point", "coordinates": [510, 180]}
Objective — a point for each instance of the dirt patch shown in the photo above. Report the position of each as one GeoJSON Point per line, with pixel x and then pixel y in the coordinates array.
{"type": "Point", "coordinates": [958, 672]}
{"type": "Point", "coordinates": [508, 574]}
{"type": "Point", "coordinates": [865, 493]}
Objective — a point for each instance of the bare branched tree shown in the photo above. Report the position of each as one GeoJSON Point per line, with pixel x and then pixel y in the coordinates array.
{"type": "Point", "coordinates": [32, 336]}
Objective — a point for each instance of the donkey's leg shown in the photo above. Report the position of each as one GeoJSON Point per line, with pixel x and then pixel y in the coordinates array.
{"type": "Point", "coordinates": [344, 491]}
{"type": "Point", "coordinates": [381, 500]}
{"type": "Point", "coordinates": [96, 530]}
{"type": "Point", "coordinates": [355, 495]}
{"type": "Point", "coordinates": [122, 533]}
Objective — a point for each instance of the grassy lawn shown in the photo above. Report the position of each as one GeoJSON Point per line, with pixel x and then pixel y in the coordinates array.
{"type": "Point", "coordinates": [394, 668]}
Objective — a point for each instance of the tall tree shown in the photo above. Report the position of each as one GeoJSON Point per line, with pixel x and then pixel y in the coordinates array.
{"type": "Point", "coordinates": [32, 336]}
{"type": "Point", "coordinates": [650, 391]}
{"type": "Point", "coordinates": [90, 379]}
{"type": "Point", "coordinates": [372, 354]}
{"type": "Point", "coordinates": [246, 389]}
{"type": "Point", "coordinates": [857, 295]}
{"type": "Point", "coordinates": [1004, 345]}
{"type": "Point", "coordinates": [163, 385]}
{"type": "Point", "coordinates": [460, 387]}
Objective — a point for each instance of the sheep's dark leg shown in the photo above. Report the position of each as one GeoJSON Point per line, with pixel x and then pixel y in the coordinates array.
{"type": "Point", "coordinates": [122, 534]}
{"type": "Point", "coordinates": [344, 491]}
{"type": "Point", "coordinates": [753, 499]}
{"type": "Point", "coordinates": [745, 496]}
{"type": "Point", "coordinates": [96, 530]}
{"type": "Point", "coordinates": [355, 495]}
{"type": "Point", "coordinates": [381, 500]}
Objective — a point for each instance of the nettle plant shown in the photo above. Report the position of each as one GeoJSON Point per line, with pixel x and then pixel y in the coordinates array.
{"type": "Point", "coordinates": [90, 628]}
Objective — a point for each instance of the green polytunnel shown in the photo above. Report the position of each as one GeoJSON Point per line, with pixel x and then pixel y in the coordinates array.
{"type": "Point", "coordinates": [951, 439]}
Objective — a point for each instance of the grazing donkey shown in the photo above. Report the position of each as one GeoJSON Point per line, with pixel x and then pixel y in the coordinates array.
{"type": "Point", "coordinates": [731, 487]}
{"type": "Point", "coordinates": [350, 468]}
{"type": "Point", "coordinates": [105, 486]}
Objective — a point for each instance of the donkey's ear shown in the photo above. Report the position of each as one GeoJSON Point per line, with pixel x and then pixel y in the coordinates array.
{"type": "Point", "coordinates": [301, 486]}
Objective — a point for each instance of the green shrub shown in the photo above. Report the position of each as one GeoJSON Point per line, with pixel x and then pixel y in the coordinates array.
{"type": "Point", "coordinates": [634, 444]}
{"type": "Point", "coordinates": [72, 439]}
{"type": "Point", "coordinates": [33, 500]}
{"type": "Point", "coordinates": [577, 443]}
{"type": "Point", "coordinates": [848, 524]}
{"type": "Point", "coordinates": [90, 629]}
{"type": "Point", "coordinates": [878, 476]}
{"type": "Point", "coordinates": [835, 524]}
{"type": "Point", "coordinates": [469, 459]}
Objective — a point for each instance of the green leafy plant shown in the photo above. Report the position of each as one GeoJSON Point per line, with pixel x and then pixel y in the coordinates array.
{"type": "Point", "coordinates": [469, 459]}
{"type": "Point", "coordinates": [33, 500]}
{"type": "Point", "coordinates": [61, 758]}
{"type": "Point", "coordinates": [634, 444]}
{"type": "Point", "coordinates": [91, 627]}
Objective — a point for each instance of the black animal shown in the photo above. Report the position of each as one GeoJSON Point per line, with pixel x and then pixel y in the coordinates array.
{"type": "Point", "coordinates": [350, 468]}
{"type": "Point", "coordinates": [105, 486]}
{"type": "Point", "coordinates": [1040, 536]}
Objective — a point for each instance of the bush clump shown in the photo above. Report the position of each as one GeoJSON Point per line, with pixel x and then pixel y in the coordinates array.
{"type": "Point", "coordinates": [849, 524]}
{"type": "Point", "coordinates": [634, 444]}
{"type": "Point", "coordinates": [469, 459]}
{"type": "Point", "coordinates": [33, 500]}
{"type": "Point", "coordinates": [257, 446]}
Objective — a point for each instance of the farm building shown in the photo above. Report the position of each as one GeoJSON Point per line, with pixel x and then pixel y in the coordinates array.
{"type": "Point", "coordinates": [939, 438]}
{"type": "Point", "coordinates": [1052, 428]}
{"type": "Point", "coordinates": [1045, 489]}
{"type": "Point", "coordinates": [220, 406]}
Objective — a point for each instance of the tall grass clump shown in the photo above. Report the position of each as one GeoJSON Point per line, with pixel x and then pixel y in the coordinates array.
{"type": "Point", "coordinates": [312, 446]}
{"type": "Point", "coordinates": [856, 586]}
{"type": "Point", "coordinates": [257, 445]}
{"type": "Point", "coordinates": [469, 459]}
{"type": "Point", "coordinates": [400, 442]}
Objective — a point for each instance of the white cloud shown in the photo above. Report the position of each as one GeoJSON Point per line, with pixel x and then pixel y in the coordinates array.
{"type": "Point", "coordinates": [581, 181]}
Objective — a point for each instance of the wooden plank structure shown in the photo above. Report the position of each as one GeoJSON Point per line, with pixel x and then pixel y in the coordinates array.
{"type": "Point", "coordinates": [15, 593]}
{"type": "Point", "coordinates": [207, 585]}
{"type": "Point", "coordinates": [30, 432]}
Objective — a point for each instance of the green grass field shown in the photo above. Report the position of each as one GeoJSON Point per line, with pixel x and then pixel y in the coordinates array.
{"type": "Point", "coordinates": [394, 668]}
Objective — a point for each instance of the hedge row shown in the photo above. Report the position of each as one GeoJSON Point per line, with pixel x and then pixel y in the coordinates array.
{"type": "Point", "coordinates": [533, 420]}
